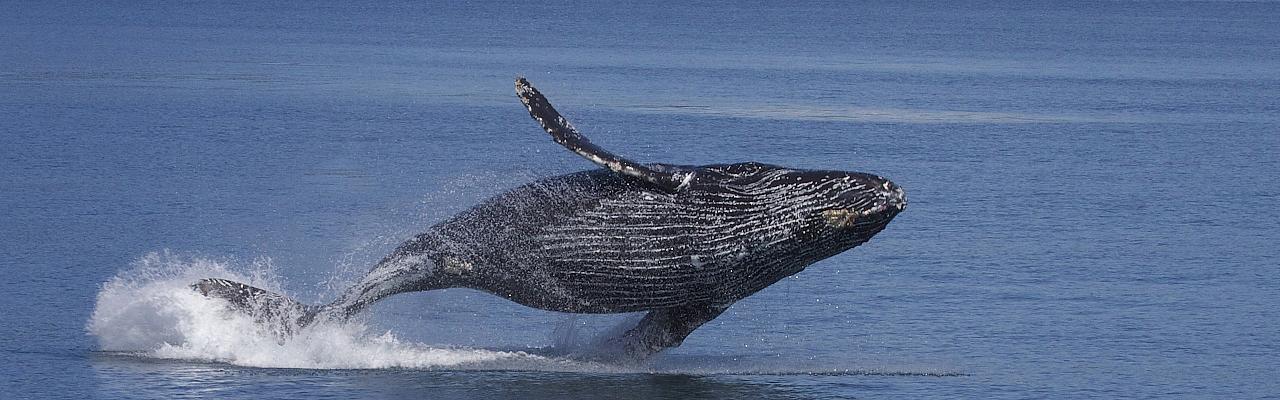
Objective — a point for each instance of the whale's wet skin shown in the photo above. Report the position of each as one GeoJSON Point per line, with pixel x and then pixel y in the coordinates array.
{"type": "Point", "coordinates": [680, 242]}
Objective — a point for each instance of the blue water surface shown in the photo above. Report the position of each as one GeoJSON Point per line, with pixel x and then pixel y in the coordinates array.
{"type": "Point", "coordinates": [1093, 191]}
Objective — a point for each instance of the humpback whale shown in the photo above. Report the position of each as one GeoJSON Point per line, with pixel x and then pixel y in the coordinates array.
{"type": "Point", "coordinates": [679, 242]}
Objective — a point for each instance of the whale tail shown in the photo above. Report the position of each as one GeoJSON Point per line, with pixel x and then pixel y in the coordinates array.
{"type": "Point", "coordinates": [283, 315]}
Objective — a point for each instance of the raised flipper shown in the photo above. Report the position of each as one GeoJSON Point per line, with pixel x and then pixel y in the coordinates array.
{"type": "Point", "coordinates": [663, 329]}
{"type": "Point", "coordinates": [407, 269]}
{"type": "Point", "coordinates": [667, 178]}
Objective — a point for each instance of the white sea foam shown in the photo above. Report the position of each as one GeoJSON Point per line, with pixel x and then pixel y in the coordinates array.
{"type": "Point", "coordinates": [150, 310]}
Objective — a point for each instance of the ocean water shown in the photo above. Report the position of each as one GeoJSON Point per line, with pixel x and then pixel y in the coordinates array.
{"type": "Point", "coordinates": [1093, 192]}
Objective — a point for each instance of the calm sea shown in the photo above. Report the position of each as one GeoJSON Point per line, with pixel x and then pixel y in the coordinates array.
{"type": "Point", "coordinates": [1095, 207]}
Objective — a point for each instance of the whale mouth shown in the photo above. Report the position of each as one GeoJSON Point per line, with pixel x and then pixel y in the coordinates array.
{"type": "Point", "coordinates": [879, 214]}
{"type": "Point", "coordinates": [839, 217]}
{"type": "Point", "coordinates": [885, 203]}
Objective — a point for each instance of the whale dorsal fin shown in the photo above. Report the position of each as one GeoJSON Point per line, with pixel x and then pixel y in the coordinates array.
{"type": "Point", "coordinates": [667, 178]}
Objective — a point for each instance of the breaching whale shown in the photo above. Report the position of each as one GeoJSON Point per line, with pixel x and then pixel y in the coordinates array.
{"type": "Point", "coordinates": [680, 242]}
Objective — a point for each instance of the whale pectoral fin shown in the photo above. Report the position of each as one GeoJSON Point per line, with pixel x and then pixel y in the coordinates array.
{"type": "Point", "coordinates": [667, 178]}
{"type": "Point", "coordinates": [665, 328]}
{"type": "Point", "coordinates": [280, 313]}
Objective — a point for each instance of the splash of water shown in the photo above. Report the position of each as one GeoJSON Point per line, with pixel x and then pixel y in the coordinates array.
{"type": "Point", "coordinates": [151, 311]}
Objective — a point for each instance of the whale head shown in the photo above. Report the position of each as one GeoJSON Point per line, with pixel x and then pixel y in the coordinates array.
{"type": "Point", "coordinates": [815, 212]}
{"type": "Point", "coordinates": [859, 199]}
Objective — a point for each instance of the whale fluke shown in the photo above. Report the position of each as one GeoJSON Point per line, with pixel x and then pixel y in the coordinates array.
{"type": "Point", "coordinates": [275, 310]}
